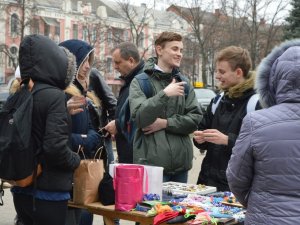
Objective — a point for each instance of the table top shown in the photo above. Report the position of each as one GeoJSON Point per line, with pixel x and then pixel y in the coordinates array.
{"type": "Point", "coordinates": [109, 211]}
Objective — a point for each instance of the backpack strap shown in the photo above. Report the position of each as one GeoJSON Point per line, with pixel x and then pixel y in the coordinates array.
{"type": "Point", "coordinates": [145, 85]}
{"type": "Point", "coordinates": [216, 102]}
{"type": "Point", "coordinates": [252, 102]}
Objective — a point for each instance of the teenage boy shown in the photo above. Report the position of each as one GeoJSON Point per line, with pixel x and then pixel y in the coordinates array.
{"type": "Point", "coordinates": [219, 127]}
{"type": "Point", "coordinates": [165, 120]}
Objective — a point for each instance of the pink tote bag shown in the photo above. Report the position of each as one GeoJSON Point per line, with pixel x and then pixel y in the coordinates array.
{"type": "Point", "coordinates": [128, 184]}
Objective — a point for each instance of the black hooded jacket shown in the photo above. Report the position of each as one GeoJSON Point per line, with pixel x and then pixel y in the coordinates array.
{"type": "Point", "coordinates": [103, 92]}
{"type": "Point", "coordinates": [49, 65]}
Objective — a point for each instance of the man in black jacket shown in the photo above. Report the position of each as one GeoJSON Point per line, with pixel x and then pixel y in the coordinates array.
{"type": "Point", "coordinates": [219, 127]}
{"type": "Point", "coordinates": [127, 62]}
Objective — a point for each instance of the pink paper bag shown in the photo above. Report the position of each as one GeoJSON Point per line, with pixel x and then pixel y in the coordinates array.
{"type": "Point", "coordinates": [128, 184]}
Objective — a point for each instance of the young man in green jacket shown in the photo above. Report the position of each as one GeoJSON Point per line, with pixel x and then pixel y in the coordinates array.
{"type": "Point", "coordinates": [165, 120]}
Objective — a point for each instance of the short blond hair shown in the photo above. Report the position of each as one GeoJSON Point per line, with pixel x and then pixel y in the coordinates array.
{"type": "Point", "coordinates": [237, 57]}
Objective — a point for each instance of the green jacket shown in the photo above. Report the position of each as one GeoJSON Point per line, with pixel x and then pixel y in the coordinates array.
{"type": "Point", "coordinates": [170, 148]}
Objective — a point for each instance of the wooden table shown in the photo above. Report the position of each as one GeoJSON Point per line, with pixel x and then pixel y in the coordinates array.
{"type": "Point", "coordinates": [109, 214]}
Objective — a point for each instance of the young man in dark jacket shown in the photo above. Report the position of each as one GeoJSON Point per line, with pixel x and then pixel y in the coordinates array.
{"type": "Point", "coordinates": [217, 131]}
{"type": "Point", "coordinates": [127, 62]}
{"type": "Point", "coordinates": [45, 64]}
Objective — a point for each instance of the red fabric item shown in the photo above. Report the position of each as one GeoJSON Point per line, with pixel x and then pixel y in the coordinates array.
{"type": "Point", "coordinates": [163, 217]}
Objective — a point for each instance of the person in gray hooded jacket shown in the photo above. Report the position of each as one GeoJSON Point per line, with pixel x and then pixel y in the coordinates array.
{"type": "Point", "coordinates": [263, 172]}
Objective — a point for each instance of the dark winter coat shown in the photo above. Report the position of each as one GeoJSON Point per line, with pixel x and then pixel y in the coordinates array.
{"type": "Point", "coordinates": [103, 92]}
{"type": "Point", "coordinates": [263, 171]}
{"type": "Point", "coordinates": [83, 132]}
{"type": "Point", "coordinates": [226, 119]}
{"type": "Point", "coordinates": [124, 148]}
{"type": "Point", "coordinates": [171, 147]}
{"type": "Point", "coordinates": [50, 116]}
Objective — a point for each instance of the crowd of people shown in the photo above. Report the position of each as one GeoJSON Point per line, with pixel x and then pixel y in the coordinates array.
{"type": "Point", "coordinates": [252, 145]}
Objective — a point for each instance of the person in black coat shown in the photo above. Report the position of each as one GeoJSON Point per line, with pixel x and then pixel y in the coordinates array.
{"type": "Point", "coordinates": [99, 86]}
{"type": "Point", "coordinates": [218, 130]}
{"type": "Point", "coordinates": [127, 62]}
{"type": "Point", "coordinates": [43, 63]}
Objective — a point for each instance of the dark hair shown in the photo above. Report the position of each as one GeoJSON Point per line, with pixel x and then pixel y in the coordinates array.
{"type": "Point", "coordinates": [237, 57]}
{"type": "Point", "coordinates": [127, 50]}
{"type": "Point", "coordinates": [167, 37]}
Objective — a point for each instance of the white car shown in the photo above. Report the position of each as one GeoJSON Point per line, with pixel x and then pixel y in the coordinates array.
{"type": "Point", "coordinates": [204, 97]}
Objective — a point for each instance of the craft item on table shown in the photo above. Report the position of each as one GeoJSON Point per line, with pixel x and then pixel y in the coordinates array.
{"type": "Point", "coordinates": [151, 197]}
{"type": "Point", "coordinates": [163, 217]}
{"type": "Point", "coordinates": [180, 219]}
{"type": "Point", "coordinates": [203, 218]}
{"type": "Point", "coordinates": [145, 206]}
{"type": "Point", "coordinates": [177, 188]}
{"type": "Point", "coordinates": [142, 208]}
{"type": "Point", "coordinates": [231, 200]}
{"type": "Point", "coordinates": [162, 208]}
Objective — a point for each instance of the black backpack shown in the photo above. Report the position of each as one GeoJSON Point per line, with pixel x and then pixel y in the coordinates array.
{"type": "Point", "coordinates": [18, 157]}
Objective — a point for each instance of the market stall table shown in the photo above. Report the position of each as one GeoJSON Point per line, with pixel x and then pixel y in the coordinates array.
{"type": "Point", "coordinates": [109, 213]}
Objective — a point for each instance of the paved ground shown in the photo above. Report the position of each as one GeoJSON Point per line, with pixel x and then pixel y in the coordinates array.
{"type": "Point", "coordinates": [7, 212]}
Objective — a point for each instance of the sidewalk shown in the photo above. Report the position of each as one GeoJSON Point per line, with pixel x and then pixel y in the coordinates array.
{"type": "Point", "coordinates": [7, 212]}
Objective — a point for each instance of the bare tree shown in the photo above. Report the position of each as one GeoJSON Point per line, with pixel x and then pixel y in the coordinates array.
{"type": "Point", "coordinates": [258, 23]}
{"type": "Point", "coordinates": [205, 28]}
{"type": "Point", "coordinates": [138, 18]}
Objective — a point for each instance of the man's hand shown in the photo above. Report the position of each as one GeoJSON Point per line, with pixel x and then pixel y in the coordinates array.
{"type": "Point", "coordinates": [111, 127]}
{"type": "Point", "coordinates": [198, 136]}
{"type": "Point", "coordinates": [175, 88]}
{"type": "Point", "coordinates": [75, 104]}
{"type": "Point", "coordinates": [215, 136]}
{"type": "Point", "coordinates": [158, 124]}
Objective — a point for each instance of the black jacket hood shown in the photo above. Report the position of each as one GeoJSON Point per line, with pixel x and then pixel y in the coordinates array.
{"type": "Point", "coordinates": [44, 61]}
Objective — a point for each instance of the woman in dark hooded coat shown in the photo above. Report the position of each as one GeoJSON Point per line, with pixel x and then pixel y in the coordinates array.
{"type": "Point", "coordinates": [45, 64]}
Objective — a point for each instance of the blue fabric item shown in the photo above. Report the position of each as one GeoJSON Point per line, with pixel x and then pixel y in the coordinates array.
{"type": "Point", "coordinates": [42, 195]}
{"type": "Point", "coordinates": [79, 48]}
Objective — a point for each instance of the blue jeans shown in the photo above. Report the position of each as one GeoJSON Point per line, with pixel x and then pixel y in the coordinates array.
{"type": "Point", "coordinates": [181, 177]}
{"type": "Point", "coordinates": [110, 154]}
{"type": "Point", "coordinates": [86, 218]}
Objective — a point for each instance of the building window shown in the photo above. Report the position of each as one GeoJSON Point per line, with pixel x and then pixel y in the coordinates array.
{"type": "Point", "coordinates": [126, 35]}
{"type": "Point", "coordinates": [141, 40]}
{"type": "Point", "coordinates": [13, 57]}
{"type": "Point", "coordinates": [14, 24]}
{"type": "Point", "coordinates": [35, 26]}
{"type": "Point", "coordinates": [75, 31]}
{"type": "Point", "coordinates": [47, 30]}
{"type": "Point", "coordinates": [85, 33]}
{"type": "Point", "coordinates": [109, 65]}
{"type": "Point", "coordinates": [109, 38]}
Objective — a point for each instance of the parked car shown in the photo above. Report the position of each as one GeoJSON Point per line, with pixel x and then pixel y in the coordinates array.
{"type": "Point", "coordinates": [3, 95]}
{"type": "Point", "coordinates": [204, 96]}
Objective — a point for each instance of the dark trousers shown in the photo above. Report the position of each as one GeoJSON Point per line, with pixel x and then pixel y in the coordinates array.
{"type": "Point", "coordinates": [46, 212]}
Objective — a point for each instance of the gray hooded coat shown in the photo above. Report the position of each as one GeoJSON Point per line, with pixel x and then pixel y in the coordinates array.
{"type": "Point", "coordinates": [263, 171]}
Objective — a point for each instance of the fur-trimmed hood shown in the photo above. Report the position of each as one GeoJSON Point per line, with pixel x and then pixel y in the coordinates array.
{"type": "Point", "coordinates": [278, 75]}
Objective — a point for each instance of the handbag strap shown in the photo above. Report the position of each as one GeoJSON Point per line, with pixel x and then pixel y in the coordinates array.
{"type": "Point", "coordinates": [80, 149]}
{"type": "Point", "coordinates": [99, 150]}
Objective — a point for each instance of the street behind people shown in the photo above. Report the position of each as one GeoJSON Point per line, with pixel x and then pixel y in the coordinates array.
{"type": "Point", "coordinates": [165, 120]}
{"type": "Point", "coordinates": [42, 62]}
{"type": "Point", "coordinates": [263, 170]}
{"type": "Point", "coordinates": [218, 130]}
